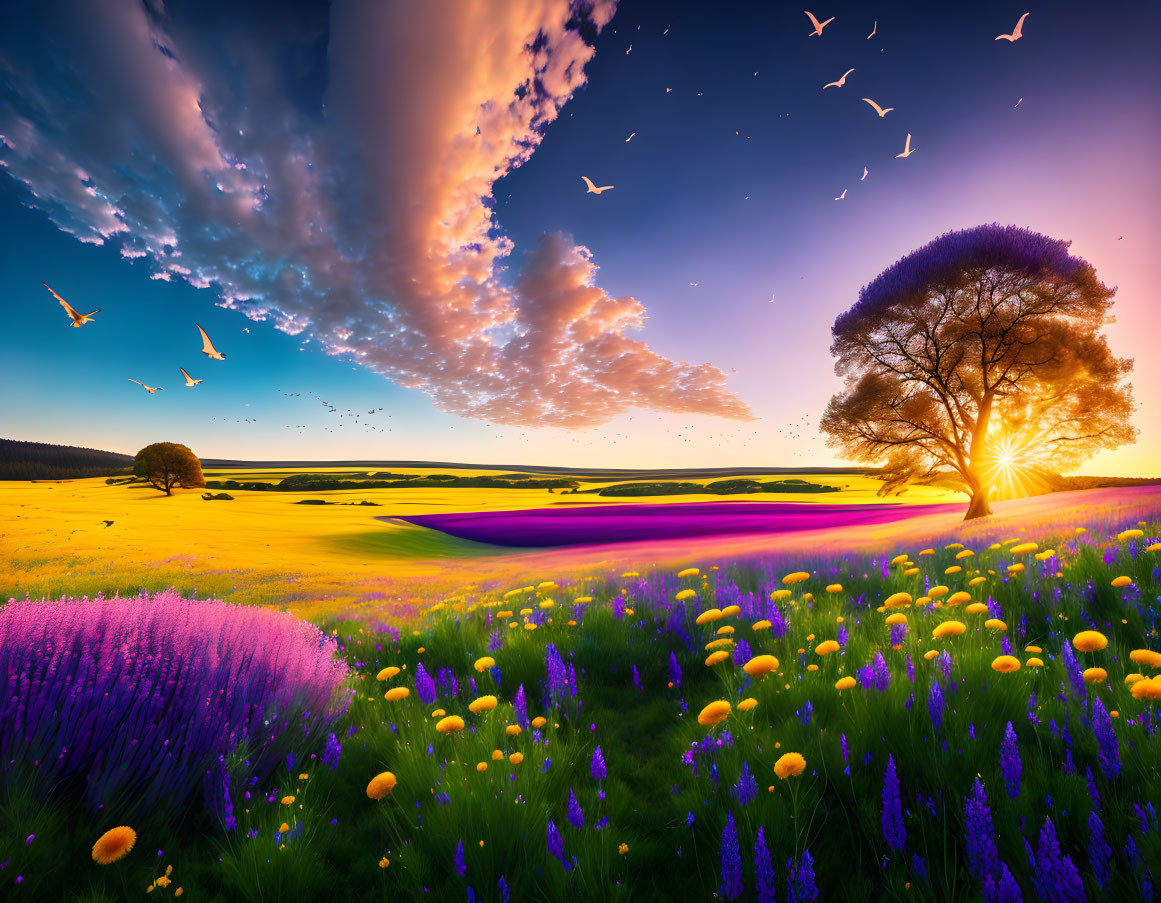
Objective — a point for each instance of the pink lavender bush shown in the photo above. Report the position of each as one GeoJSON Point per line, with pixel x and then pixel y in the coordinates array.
{"type": "Point", "coordinates": [128, 703]}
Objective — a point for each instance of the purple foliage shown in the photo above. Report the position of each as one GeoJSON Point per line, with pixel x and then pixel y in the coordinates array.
{"type": "Point", "coordinates": [1004, 889]}
{"type": "Point", "coordinates": [674, 670]}
{"type": "Point", "coordinates": [747, 787]}
{"type": "Point", "coordinates": [597, 766]}
{"type": "Point", "coordinates": [1102, 725]}
{"type": "Point", "coordinates": [732, 886]}
{"type": "Point", "coordinates": [461, 867]}
{"type": "Point", "coordinates": [1010, 762]}
{"type": "Point", "coordinates": [800, 888]}
{"type": "Point", "coordinates": [764, 870]}
{"type": "Point", "coordinates": [892, 819]}
{"type": "Point", "coordinates": [139, 700]}
{"type": "Point", "coordinates": [424, 685]}
{"type": "Point", "coordinates": [935, 704]}
{"type": "Point", "coordinates": [520, 708]}
{"type": "Point", "coordinates": [576, 816]}
{"type": "Point", "coordinates": [1073, 670]}
{"type": "Point", "coordinates": [983, 859]}
{"type": "Point", "coordinates": [1099, 853]}
{"type": "Point", "coordinates": [1007, 248]}
{"type": "Point", "coordinates": [1057, 878]}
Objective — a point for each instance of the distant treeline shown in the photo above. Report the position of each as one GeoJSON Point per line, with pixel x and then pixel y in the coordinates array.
{"type": "Point", "coordinates": [42, 461]}
{"type": "Point", "coordinates": [718, 487]}
{"type": "Point", "coordinates": [309, 482]}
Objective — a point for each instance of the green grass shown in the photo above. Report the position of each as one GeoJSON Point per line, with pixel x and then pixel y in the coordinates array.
{"type": "Point", "coordinates": [833, 809]}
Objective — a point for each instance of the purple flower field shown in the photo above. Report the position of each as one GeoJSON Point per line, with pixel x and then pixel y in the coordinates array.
{"type": "Point", "coordinates": [540, 527]}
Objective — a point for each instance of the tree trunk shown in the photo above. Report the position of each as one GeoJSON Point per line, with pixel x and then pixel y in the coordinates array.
{"type": "Point", "coordinates": [978, 507]}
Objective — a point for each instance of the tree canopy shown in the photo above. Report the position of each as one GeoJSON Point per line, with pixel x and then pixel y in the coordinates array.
{"type": "Point", "coordinates": [979, 355]}
{"type": "Point", "coordinates": [168, 464]}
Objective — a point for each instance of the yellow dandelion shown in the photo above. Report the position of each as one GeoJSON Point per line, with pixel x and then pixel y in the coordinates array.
{"type": "Point", "coordinates": [715, 657]}
{"type": "Point", "coordinates": [746, 704]}
{"type": "Point", "coordinates": [976, 608]}
{"type": "Point", "coordinates": [685, 594]}
{"type": "Point", "coordinates": [497, 755]}
{"type": "Point", "coordinates": [724, 630]}
{"type": "Point", "coordinates": [688, 572]}
{"type": "Point", "coordinates": [714, 713]}
{"type": "Point", "coordinates": [623, 849]}
{"type": "Point", "coordinates": [1090, 641]}
{"type": "Point", "coordinates": [796, 577]}
{"type": "Point", "coordinates": [114, 844]}
{"type": "Point", "coordinates": [721, 641]}
{"type": "Point", "coordinates": [484, 663]}
{"type": "Point", "coordinates": [1045, 555]}
{"type": "Point", "coordinates": [927, 552]}
{"type": "Point", "coordinates": [845, 683]}
{"type": "Point", "coordinates": [1024, 548]}
{"type": "Point", "coordinates": [710, 614]}
{"type": "Point", "coordinates": [1149, 688]}
{"type": "Point", "coordinates": [976, 581]}
{"type": "Point", "coordinates": [1005, 664]}
{"type": "Point", "coordinates": [760, 665]}
{"type": "Point", "coordinates": [995, 624]}
{"type": "Point", "coordinates": [516, 758]}
{"type": "Point", "coordinates": [1035, 650]}
{"type": "Point", "coordinates": [911, 572]}
{"type": "Point", "coordinates": [834, 588]}
{"type": "Point", "coordinates": [380, 785]}
{"type": "Point", "coordinates": [958, 598]}
{"type": "Point", "coordinates": [539, 722]}
{"type": "Point", "coordinates": [897, 618]}
{"type": "Point", "coordinates": [948, 628]}
{"type": "Point", "coordinates": [1034, 663]}
{"type": "Point", "coordinates": [937, 592]}
{"type": "Point", "coordinates": [954, 569]}
{"type": "Point", "coordinates": [897, 600]}
{"type": "Point", "coordinates": [779, 594]}
{"type": "Point", "coordinates": [1126, 535]}
{"type": "Point", "coordinates": [483, 704]}
{"type": "Point", "coordinates": [966, 553]}
{"type": "Point", "coordinates": [789, 765]}
{"type": "Point", "coordinates": [1095, 675]}
{"type": "Point", "coordinates": [930, 654]}
{"type": "Point", "coordinates": [396, 693]}
{"type": "Point", "coordinates": [899, 559]}
{"type": "Point", "coordinates": [438, 713]}
{"type": "Point", "coordinates": [285, 827]}
{"type": "Point", "coordinates": [760, 625]}
{"type": "Point", "coordinates": [1122, 581]}
{"type": "Point", "coordinates": [513, 730]}
{"type": "Point", "coordinates": [1017, 568]}
{"type": "Point", "coordinates": [731, 610]}
{"type": "Point", "coordinates": [1131, 679]}
{"type": "Point", "coordinates": [826, 647]}
{"type": "Point", "coordinates": [389, 671]}
{"type": "Point", "coordinates": [481, 767]}
{"type": "Point", "coordinates": [450, 725]}
{"type": "Point", "coordinates": [384, 862]}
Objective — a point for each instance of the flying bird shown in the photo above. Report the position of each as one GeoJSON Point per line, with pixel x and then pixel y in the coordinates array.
{"type": "Point", "coordinates": [1020, 101]}
{"type": "Point", "coordinates": [149, 389]}
{"type": "Point", "coordinates": [593, 188]}
{"type": "Point", "coordinates": [864, 175]}
{"type": "Point", "coordinates": [841, 196]}
{"type": "Point", "coordinates": [1017, 32]}
{"type": "Point", "coordinates": [630, 138]}
{"type": "Point", "coordinates": [695, 284]}
{"type": "Point", "coordinates": [818, 26]}
{"type": "Point", "coordinates": [873, 30]}
{"type": "Point", "coordinates": [78, 319]}
{"type": "Point", "coordinates": [842, 81]}
{"type": "Point", "coordinates": [878, 109]}
{"type": "Point", "coordinates": [108, 523]}
{"type": "Point", "coordinates": [908, 150]}
{"type": "Point", "coordinates": [208, 348]}
{"type": "Point", "coordinates": [189, 380]}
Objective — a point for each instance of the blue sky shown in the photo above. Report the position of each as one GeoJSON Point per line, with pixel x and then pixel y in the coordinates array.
{"type": "Point", "coordinates": [729, 182]}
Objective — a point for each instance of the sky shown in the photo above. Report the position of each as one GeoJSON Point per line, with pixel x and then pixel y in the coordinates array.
{"type": "Point", "coordinates": [376, 211]}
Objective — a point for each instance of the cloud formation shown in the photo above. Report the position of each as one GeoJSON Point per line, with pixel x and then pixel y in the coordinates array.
{"type": "Point", "coordinates": [331, 169]}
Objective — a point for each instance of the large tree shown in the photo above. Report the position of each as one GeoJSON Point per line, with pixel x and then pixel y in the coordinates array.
{"type": "Point", "coordinates": [979, 356]}
{"type": "Point", "coordinates": [167, 464]}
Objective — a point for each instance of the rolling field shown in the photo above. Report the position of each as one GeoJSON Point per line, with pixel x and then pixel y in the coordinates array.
{"type": "Point", "coordinates": [263, 547]}
{"type": "Point", "coordinates": [918, 710]}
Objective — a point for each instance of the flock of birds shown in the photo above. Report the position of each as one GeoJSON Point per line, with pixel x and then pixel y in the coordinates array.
{"type": "Point", "coordinates": [80, 319]}
{"type": "Point", "coordinates": [908, 150]}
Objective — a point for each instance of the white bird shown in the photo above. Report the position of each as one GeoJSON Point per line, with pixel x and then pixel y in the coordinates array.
{"type": "Point", "coordinates": [864, 175]}
{"type": "Point", "coordinates": [878, 109]}
{"type": "Point", "coordinates": [1017, 32]}
{"type": "Point", "coordinates": [593, 188]}
{"type": "Point", "coordinates": [842, 81]}
{"type": "Point", "coordinates": [818, 26]}
{"type": "Point", "coordinates": [873, 30]}
{"type": "Point", "coordinates": [908, 150]}
{"type": "Point", "coordinates": [630, 138]}
{"type": "Point", "coordinates": [78, 319]}
{"type": "Point", "coordinates": [695, 283]}
{"type": "Point", "coordinates": [208, 348]}
{"type": "Point", "coordinates": [189, 380]}
{"type": "Point", "coordinates": [149, 389]}
{"type": "Point", "coordinates": [841, 196]}
{"type": "Point", "coordinates": [1020, 101]}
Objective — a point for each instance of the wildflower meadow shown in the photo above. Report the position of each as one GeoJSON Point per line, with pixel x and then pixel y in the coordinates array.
{"type": "Point", "coordinates": [948, 722]}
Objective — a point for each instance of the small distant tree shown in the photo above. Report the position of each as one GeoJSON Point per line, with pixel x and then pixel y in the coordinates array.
{"type": "Point", "coordinates": [167, 464]}
{"type": "Point", "coordinates": [979, 356]}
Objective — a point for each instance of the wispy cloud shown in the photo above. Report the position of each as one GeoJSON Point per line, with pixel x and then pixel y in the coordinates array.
{"type": "Point", "coordinates": [332, 170]}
